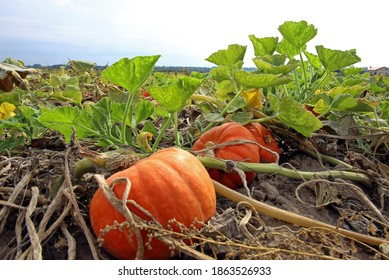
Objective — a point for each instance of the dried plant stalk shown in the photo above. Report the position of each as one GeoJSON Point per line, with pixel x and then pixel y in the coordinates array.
{"type": "Point", "coordinates": [4, 212]}
{"type": "Point", "coordinates": [292, 217]}
{"type": "Point", "coordinates": [36, 253]}
{"type": "Point", "coordinates": [71, 242]}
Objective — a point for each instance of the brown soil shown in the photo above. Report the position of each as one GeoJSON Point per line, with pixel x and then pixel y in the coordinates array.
{"type": "Point", "coordinates": [22, 234]}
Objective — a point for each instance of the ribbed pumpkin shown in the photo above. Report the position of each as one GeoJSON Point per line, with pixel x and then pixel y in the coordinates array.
{"type": "Point", "coordinates": [244, 152]}
{"type": "Point", "coordinates": [170, 184]}
{"type": "Point", "coordinates": [265, 139]}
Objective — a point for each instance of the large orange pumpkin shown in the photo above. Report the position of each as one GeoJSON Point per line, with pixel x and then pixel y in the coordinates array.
{"type": "Point", "coordinates": [266, 140]}
{"type": "Point", "coordinates": [244, 152]}
{"type": "Point", "coordinates": [169, 184]}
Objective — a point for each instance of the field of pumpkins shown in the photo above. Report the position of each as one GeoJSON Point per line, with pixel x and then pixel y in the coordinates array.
{"type": "Point", "coordinates": [287, 161]}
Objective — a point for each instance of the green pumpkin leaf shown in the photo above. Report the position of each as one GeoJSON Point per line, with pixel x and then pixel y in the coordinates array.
{"type": "Point", "coordinates": [355, 90]}
{"type": "Point", "coordinates": [174, 97]}
{"type": "Point", "coordinates": [342, 102]}
{"type": "Point", "coordinates": [143, 110]}
{"type": "Point", "coordinates": [295, 116]}
{"type": "Point", "coordinates": [252, 80]}
{"type": "Point", "coordinates": [221, 73]}
{"type": "Point", "coordinates": [298, 34]}
{"type": "Point", "coordinates": [149, 127]}
{"type": "Point", "coordinates": [229, 57]}
{"type": "Point", "coordinates": [73, 93]}
{"type": "Point", "coordinates": [335, 59]}
{"type": "Point", "coordinates": [10, 143]}
{"type": "Point", "coordinates": [239, 103]}
{"type": "Point", "coordinates": [213, 117]}
{"type": "Point", "coordinates": [264, 46]}
{"type": "Point", "coordinates": [27, 111]}
{"type": "Point", "coordinates": [102, 115]}
{"type": "Point", "coordinates": [55, 80]}
{"type": "Point", "coordinates": [286, 48]}
{"type": "Point", "coordinates": [224, 90]}
{"type": "Point", "coordinates": [313, 60]}
{"type": "Point", "coordinates": [275, 59]}
{"type": "Point", "coordinates": [274, 102]}
{"type": "Point", "coordinates": [131, 73]}
{"type": "Point", "coordinates": [352, 71]}
{"type": "Point", "coordinates": [385, 109]}
{"type": "Point", "coordinates": [63, 119]}
{"type": "Point", "coordinates": [117, 112]}
{"type": "Point", "coordinates": [273, 68]}
{"type": "Point", "coordinates": [241, 117]}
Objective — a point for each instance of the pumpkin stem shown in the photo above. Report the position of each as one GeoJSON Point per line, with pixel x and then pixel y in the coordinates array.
{"type": "Point", "coordinates": [290, 173]}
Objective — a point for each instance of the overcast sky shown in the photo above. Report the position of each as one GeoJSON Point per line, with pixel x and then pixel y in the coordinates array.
{"type": "Point", "coordinates": [183, 32]}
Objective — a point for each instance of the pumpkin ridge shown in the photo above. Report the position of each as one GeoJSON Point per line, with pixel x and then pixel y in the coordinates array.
{"type": "Point", "coordinates": [189, 188]}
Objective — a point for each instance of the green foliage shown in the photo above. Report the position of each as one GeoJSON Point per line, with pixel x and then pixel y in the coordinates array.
{"type": "Point", "coordinates": [230, 57]}
{"type": "Point", "coordinates": [63, 119]}
{"type": "Point", "coordinates": [108, 107]}
{"type": "Point", "coordinates": [175, 96]}
{"type": "Point", "coordinates": [335, 59]}
{"type": "Point", "coordinates": [131, 73]}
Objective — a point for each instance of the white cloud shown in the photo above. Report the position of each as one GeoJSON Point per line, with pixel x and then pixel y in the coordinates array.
{"type": "Point", "coordinates": [186, 32]}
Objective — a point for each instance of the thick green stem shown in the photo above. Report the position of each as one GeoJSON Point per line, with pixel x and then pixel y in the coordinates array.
{"type": "Point", "coordinates": [265, 118]}
{"type": "Point", "coordinates": [209, 99]}
{"type": "Point", "coordinates": [290, 173]}
{"type": "Point", "coordinates": [162, 131]}
{"type": "Point", "coordinates": [238, 93]}
{"type": "Point", "coordinates": [317, 86]}
{"type": "Point", "coordinates": [304, 71]}
{"type": "Point", "coordinates": [127, 110]}
{"type": "Point", "coordinates": [176, 132]}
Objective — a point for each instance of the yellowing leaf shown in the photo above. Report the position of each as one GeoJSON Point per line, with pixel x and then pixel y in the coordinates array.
{"type": "Point", "coordinates": [6, 110]}
{"type": "Point", "coordinates": [253, 98]}
{"type": "Point", "coordinates": [143, 140]}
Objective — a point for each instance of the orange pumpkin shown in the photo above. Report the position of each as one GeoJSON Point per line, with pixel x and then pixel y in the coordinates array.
{"type": "Point", "coordinates": [244, 152]}
{"type": "Point", "coordinates": [169, 184]}
{"type": "Point", "coordinates": [265, 139]}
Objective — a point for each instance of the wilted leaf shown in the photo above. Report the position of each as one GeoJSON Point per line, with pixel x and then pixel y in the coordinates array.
{"type": "Point", "coordinates": [345, 126]}
{"type": "Point", "coordinates": [82, 65]}
{"type": "Point", "coordinates": [11, 74]}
